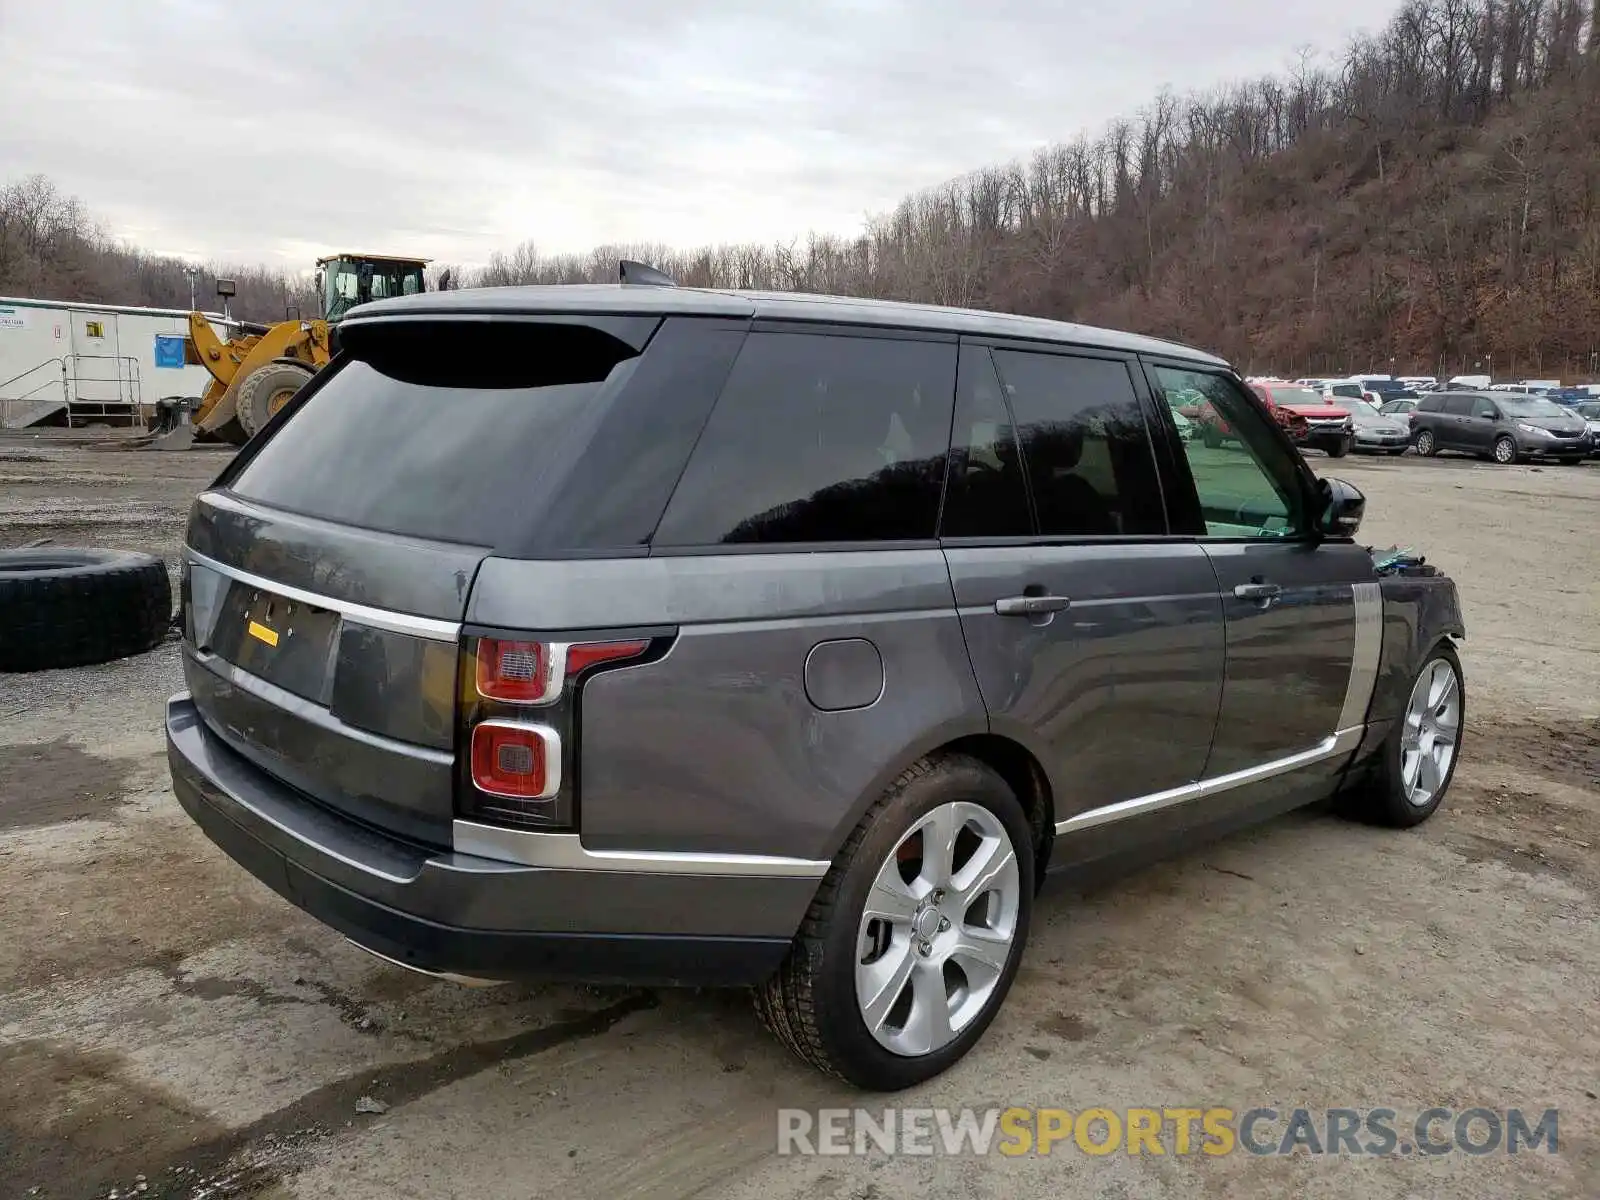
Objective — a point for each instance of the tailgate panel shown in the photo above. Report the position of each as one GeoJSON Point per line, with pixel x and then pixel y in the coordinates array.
{"type": "Point", "coordinates": [393, 786]}
{"type": "Point", "coordinates": [277, 639]}
{"type": "Point", "coordinates": [339, 562]}
{"type": "Point", "coordinates": [327, 656]}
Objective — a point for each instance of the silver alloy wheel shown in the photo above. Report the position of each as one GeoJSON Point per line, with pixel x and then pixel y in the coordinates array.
{"type": "Point", "coordinates": [1433, 728]}
{"type": "Point", "coordinates": [1424, 443]}
{"type": "Point", "coordinates": [1505, 450]}
{"type": "Point", "coordinates": [937, 929]}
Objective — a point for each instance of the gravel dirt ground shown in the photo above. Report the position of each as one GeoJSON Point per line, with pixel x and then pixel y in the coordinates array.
{"type": "Point", "coordinates": [169, 1027]}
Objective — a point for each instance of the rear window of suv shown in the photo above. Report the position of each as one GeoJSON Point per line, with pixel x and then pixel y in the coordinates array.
{"type": "Point", "coordinates": [439, 432]}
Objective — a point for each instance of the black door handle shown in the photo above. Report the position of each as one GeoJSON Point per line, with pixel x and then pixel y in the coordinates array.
{"type": "Point", "coordinates": [1030, 606]}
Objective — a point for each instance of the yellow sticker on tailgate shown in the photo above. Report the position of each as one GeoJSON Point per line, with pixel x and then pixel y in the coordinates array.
{"type": "Point", "coordinates": [262, 634]}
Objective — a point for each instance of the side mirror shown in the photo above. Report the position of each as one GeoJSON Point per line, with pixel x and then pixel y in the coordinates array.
{"type": "Point", "coordinates": [1342, 507]}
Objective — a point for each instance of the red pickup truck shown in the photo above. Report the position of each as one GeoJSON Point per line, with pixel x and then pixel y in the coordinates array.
{"type": "Point", "coordinates": [1310, 421]}
{"type": "Point", "coordinates": [1325, 427]}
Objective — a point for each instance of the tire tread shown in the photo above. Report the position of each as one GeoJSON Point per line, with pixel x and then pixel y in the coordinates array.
{"type": "Point", "coordinates": [87, 616]}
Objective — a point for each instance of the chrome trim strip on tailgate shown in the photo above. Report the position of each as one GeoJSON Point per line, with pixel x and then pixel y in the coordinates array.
{"type": "Point", "coordinates": [566, 852]}
{"type": "Point", "coordinates": [1343, 742]}
{"type": "Point", "coordinates": [378, 618]}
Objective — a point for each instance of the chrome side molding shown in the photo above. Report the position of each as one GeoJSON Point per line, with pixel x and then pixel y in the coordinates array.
{"type": "Point", "coordinates": [566, 852]}
{"type": "Point", "coordinates": [1343, 742]}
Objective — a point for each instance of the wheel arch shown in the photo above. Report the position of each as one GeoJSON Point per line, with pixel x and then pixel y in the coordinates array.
{"type": "Point", "coordinates": [1008, 758]}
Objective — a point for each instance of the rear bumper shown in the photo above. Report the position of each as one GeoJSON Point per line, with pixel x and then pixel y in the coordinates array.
{"type": "Point", "coordinates": [449, 913]}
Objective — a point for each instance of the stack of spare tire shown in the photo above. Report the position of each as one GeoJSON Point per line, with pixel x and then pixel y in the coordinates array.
{"type": "Point", "coordinates": [71, 607]}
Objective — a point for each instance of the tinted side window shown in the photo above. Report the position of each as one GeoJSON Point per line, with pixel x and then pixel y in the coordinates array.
{"type": "Point", "coordinates": [1458, 406]}
{"type": "Point", "coordinates": [819, 438]}
{"type": "Point", "coordinates": [1085, 447]}
{"type": "Point", "coordinates": [1246, 489]}
{"type": "Point", "coordinates": [1484, 408]}
{"type": "Point", "coordinates": [1430, 404]}
{"type": "Point", "coordinates": [986, 495]}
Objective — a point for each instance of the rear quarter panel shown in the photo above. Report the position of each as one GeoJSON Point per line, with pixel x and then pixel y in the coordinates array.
{"type": "Point", "coordinates": [717, 747]}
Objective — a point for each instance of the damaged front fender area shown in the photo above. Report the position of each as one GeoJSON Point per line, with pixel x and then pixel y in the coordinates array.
{"type": "Point", "coordinates": [1419, 611]}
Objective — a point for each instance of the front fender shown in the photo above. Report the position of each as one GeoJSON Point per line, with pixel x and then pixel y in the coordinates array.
{"type": "Point", "coordinates": [1419, 611]}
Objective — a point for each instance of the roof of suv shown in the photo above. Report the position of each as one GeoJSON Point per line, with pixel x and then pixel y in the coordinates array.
{"type": "Point", "coordinates": [636, 299]}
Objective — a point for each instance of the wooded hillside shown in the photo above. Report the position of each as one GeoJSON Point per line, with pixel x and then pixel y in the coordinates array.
{"type": "Point", "coordinates": [1429, 204]}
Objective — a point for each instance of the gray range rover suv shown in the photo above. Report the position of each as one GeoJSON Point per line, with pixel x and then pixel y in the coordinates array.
{"type": "Point", "coordinates": [642, 633]}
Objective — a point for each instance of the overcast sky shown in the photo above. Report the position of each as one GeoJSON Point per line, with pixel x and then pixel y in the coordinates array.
{"type": "Point", "coordinates": [452, 128]}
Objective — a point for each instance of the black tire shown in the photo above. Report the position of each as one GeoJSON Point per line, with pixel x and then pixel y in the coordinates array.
{"type": "Point", "coordinates": [1504, 450]}
{"type": "Point", "coordinates": [1210, 436]}
{"type": "Point", "coordinates": [1340, 449]}
{"type": "Point", "coordinates": [1424, 445]}
{"type": "Point", "coordinates": [810, 1004]}
{"type": "Point", "coordinates": [265, 390]}
{"type": "Point", "coordinates": [1382, 799]}
{"type": "Point", "coordinates": [72, 607]}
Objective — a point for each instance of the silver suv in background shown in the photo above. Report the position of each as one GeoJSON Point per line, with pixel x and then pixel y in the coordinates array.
{"type": "Point", "coordinates": [650, 634]}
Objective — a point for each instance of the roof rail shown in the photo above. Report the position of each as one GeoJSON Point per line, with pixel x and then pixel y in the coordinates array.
{"type": "Point", "coordinates": [641, 274]}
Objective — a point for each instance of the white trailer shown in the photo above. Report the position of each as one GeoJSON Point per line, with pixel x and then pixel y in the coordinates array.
{"type": "Point", "coordinates": [93, 362]}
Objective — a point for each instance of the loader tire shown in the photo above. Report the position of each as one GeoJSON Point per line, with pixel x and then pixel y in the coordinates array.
{"type": "Point", "coordinates": [265, 391]}
{"type": "Point", "coordinates": [71, 607]}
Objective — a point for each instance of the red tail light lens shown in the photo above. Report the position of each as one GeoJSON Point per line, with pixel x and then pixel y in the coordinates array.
{"type": "Point", "coordinates": [583, 655]}
{"type": "Point", "coordinates": [516, 761]}
{"type": "Point", "coordinates": [515, 672]}
{"type": "Point", "coordinates": [536, 672]}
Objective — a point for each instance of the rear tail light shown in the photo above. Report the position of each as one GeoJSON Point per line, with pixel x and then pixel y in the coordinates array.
{"type": "Point", "coordinates": [516, 672]}
{"type": "Point", "coordinates": [514, 761]}
{"type": "Point", "coordinates": [537, 672]}
{"type": "Point", "coordinates": [518, 700]}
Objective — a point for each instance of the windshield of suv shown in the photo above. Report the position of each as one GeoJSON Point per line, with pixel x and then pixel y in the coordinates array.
{"type": "Point", "coordinates": [1589, 410]}
{"type": "Point", "coordinates": [1529, 406]}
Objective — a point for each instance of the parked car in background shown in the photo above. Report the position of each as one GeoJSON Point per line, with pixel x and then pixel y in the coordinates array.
{"type": "Point", "coordinates": [1212, 428]}
{"type": "Point", "coordinates": [1469, 383]}
{"type": "Point", "coordinates": [1375, 432]}
{"type": "Point", "coordinates": [1399, 408]}
{"type": "Point", "coordinates": [1383, 388]}
{"type": "Point", "coordinates": [1504, 426]}
{"type": "Point", "coordinates": [1325, 428]}
{"type": "Point", "coordinates": [1567, 395]}
{"type": "Point", "coordinates": [1589, 410]}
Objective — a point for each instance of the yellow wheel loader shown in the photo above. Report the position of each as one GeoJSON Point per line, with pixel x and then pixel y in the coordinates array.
{"type": "Point", "coordinates": [255, 373]}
